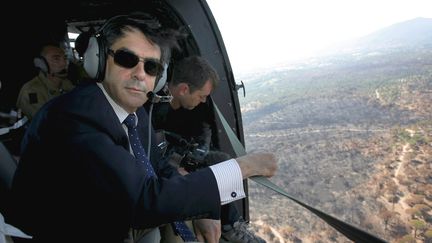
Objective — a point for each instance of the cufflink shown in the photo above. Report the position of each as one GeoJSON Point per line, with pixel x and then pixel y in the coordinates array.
{"type": "Point", "coordinates": [233, 194]}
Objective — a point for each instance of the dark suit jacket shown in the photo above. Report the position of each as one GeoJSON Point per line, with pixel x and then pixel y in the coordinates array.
{"type": "Point", "coordinates": [78, 182]}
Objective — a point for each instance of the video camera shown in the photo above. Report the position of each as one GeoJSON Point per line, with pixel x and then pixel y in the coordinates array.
{"type": "Point", "coordinates": [192, 154]}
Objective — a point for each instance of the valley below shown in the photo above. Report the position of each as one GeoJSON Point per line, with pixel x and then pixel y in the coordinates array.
{"type": "Point", "coordinates": [362, 155]}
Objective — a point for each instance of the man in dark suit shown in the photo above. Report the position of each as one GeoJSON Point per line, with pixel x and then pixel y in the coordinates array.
{"type": "Point", "coordinates": [78, 179]}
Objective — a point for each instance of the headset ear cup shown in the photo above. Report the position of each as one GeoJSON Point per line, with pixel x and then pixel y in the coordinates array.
{"type": "Point", "coordinates": [102, 58]}
{"type": "Point", "coordinates": [91, 58]}
{"type": "Point", "coordinates": [162, 80]}
{"type": "Point", "coordinates": [41, 63]}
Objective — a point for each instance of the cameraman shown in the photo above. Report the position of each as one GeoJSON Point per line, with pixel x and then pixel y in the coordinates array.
{"type": "Point", "coordinates": [187, 121]}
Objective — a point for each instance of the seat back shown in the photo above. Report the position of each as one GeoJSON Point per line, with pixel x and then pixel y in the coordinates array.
{"type": "Point", "coordinates": [8, 166]}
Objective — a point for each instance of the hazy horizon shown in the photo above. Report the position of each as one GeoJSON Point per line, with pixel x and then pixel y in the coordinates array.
{"type": "Point", "coordinates": [297, 30]}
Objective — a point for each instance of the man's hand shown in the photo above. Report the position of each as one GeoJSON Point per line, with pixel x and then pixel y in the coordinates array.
{"type": "Point", "coordinates": [207, 230]}
{"type": "Point", "coordinates": [182, 171]}
{"type": "Point", "coordinates": [261, 163]}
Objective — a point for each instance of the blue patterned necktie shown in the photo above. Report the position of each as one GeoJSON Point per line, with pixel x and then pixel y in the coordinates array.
{"type": "Point", "coordinates": [140, 155]}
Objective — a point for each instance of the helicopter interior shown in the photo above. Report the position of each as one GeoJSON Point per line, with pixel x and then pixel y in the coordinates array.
{"type": "Point", "coordinates": [56, 21]}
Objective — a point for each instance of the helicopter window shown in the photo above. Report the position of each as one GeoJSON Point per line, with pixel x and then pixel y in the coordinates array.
{"type": "Point", "coordinates": [351, 123]}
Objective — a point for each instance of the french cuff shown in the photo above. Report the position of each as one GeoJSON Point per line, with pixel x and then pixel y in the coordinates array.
{"type": "Point", "coordinates": [229, 180]}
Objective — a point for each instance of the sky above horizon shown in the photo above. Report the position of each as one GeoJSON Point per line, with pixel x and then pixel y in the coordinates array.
{"type": "Point", "coordinates": [259, 34]}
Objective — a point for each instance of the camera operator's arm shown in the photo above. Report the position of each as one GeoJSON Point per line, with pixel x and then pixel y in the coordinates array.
{"type": "Point", "coordinates": [203, 121]}
{"type": "Point", "coordinates": [206, 133]}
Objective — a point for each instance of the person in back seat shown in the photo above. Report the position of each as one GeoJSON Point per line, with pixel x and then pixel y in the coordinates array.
{"type": "Point", "coordinates": [50, 82]}
{"type": "Point", "coordinates": [190, 116]}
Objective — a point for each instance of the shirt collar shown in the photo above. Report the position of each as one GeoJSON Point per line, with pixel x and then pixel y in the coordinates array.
{"type": "Point", "coordinates": [119, 111]}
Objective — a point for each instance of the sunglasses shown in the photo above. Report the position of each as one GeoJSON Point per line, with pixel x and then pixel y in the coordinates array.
{"type": "Point", "coordinates": [128, 59]}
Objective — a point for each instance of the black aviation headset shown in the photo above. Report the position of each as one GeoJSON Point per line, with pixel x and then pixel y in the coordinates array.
{"type": "Point", "coordinates": [97, 50]}
{"type": "Point", "coordinates": [96, 55]}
